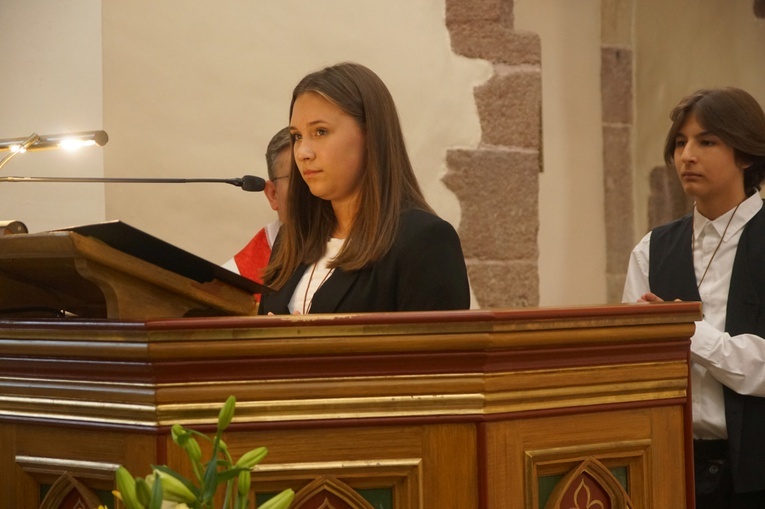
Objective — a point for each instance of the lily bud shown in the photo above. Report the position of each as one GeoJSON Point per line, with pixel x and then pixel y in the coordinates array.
{"type": "Point", "coordinates": [173, 489]}
{"type": "Point", "coordinates": [252, 458]}
{"type": "Point", "coordinates": [143, 491]}
{"type": "Point", "coordinates": [245, 479]}
{"type": "Point", "coordinates": [193, 450]}
{"type": "Point", "coordinates": [180, 434]}
{"type": "Point", "coordinates": [126, 486]}
{"type": "Point", "coordinates": [226, 413]}
{"type": "Point", "coordinates": [280, 501]}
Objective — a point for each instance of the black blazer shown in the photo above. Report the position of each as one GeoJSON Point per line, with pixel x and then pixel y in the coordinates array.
{"type": "Point", "coordinates": [423, 271]}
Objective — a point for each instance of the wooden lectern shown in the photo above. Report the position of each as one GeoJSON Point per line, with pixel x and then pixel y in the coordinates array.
{"type": "Point", "coordinates": [112, 270]}
{"type": "Point", "coordinates": [491, 409]}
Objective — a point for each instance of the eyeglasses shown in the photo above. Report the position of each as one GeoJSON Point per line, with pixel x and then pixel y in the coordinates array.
{"type": "Point", "coordinates": [282, 177]}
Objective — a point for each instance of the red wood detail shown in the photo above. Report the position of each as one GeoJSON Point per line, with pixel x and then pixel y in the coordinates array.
{"type": "Point", "coordinates": [328, 493]}
{"type": "Point", "coordinates": [590, 485]}
{"type": "Point", "coordinates": [521, 315]}
{"type": "Point", "coordinates": [68, 493]}
{"type": "Point", "coordinates": [585, 493]}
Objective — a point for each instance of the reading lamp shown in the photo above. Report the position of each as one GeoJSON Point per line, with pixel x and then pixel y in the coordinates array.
{"type": "Point", "coordinates": [48, 141]}
{"type": "Point", "coordinates": [76, 140]}
{"type": "Point", "coordinates": [37, 142]}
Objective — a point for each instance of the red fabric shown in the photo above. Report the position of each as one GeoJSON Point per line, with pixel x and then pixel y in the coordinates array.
{"type": "Point", "coordinates": [253, 258]}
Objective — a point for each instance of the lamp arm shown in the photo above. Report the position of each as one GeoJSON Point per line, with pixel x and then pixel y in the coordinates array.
{"type": "Point", "coordinates": [34, 138]}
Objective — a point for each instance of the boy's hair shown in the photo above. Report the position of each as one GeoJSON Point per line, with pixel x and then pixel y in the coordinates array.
{"type": "Point", "coordinates": [732, 115]}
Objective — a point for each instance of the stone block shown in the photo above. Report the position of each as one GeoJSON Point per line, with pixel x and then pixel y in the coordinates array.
{"type": "Point", "coordinates": [504, 285]}
{"type": "Point", "coordinates": [616, 84]}
{"type": "Point", "coordinates": [510, 109]}
{"type": "Point", "coordinates": [495, 43]}
{"type": "Point", "coordinates": [618, 199]}
{"type": "Point", "coordinates": [497, 11]}
{"type": "Point", "coordinates": [498, 192]}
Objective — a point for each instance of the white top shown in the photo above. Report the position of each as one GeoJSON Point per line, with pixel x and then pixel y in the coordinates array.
{"type": "Point", "coordinates": [717, 358]}
{"type": "Point", "coordinates": [313, 277]}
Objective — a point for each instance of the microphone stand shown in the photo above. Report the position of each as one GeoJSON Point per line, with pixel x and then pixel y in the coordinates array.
{"type": "Point", "coordinates": [247, 183]}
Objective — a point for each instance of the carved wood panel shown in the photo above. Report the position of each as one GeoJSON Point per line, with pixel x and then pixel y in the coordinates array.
{"type": "Point", "coordinates": [68, 493]}
{"type": "Point", "coordinates": [590, 485]}
{"type": "Point", "coordinates": [329, 493]}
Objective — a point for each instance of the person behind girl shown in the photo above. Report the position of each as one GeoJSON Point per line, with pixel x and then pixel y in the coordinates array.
{"type": "Point", "coordinates": [252, 259]}
{"type": "Point", "coordinates": [716, 255]}
{"type": "Point", "coordinates": [359, 235]}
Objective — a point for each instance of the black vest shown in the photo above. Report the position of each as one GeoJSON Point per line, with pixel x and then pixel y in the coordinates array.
{"type": "Point", "coordinates": [671, 276]}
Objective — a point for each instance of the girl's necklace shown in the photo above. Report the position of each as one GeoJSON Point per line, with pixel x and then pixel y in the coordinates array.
{"type": "Point", "coordinates": [307, 303]}
{"type": "Point", "coordinates": [718, 247]}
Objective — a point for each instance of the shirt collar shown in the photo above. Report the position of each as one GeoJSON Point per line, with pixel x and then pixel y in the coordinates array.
{"type": "Point", "coordinates": [746, 211]}
{"type": "Point", "coordinates": [272, 230]}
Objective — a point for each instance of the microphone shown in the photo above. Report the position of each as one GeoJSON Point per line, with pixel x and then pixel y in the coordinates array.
{"type": "Point", "coordinates": [247, 183]}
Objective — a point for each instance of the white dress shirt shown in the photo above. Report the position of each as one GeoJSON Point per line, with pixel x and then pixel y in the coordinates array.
{"type": "Point", "coordinates": [717, 358]}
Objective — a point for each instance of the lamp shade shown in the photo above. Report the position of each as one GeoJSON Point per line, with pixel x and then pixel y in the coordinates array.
{"type": "Point", "coordinates": [48, 141]}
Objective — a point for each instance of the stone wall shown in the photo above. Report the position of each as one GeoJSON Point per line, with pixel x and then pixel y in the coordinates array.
{"type": "Point", "coordinates": [617, 104]}
{"type": "Point", "coordinates": [497, 183]}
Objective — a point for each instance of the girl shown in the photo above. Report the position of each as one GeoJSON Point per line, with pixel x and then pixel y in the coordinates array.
{"type": "Point", "coordinates": [358, 236]}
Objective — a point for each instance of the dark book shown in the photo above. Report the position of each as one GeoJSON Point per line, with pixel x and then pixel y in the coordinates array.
{"type": "Point", "coordinates": [130, 240]}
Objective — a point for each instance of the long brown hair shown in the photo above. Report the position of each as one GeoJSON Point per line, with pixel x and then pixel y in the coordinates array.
{"type": "Point", "coordinates": [732, 115]}
{"type": "Point", "coordinates": [388, 186]}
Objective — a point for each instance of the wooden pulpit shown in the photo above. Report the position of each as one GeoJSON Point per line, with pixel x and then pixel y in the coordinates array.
{"type": "Point", "coordinates": [491, 409]}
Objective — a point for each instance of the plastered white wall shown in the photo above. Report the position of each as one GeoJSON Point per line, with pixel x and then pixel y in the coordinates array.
{"type": "Point", "coordinates": [572, 251]}
{"type": "Point", "coordinates": [195, 89]}
{"type": "Point", "coordinates": [51, 83]}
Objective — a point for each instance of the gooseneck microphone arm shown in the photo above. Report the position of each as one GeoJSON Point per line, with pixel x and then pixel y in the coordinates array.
{"type": "Point", "coordinates": [247, 182]}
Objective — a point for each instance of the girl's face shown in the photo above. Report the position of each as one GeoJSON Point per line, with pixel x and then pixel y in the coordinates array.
{"type": "Point", "coordinates": [707, 167]}
{"type": "Point", "coordinates": [329, 148]}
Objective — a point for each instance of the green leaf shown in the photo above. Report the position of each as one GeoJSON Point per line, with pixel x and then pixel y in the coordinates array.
{"type": "Point", "coordinates": [210, 479]}
{"type": "Point", "coordinates": [227, 475]}
{"type": "Point", "coordinates": [156, 496]}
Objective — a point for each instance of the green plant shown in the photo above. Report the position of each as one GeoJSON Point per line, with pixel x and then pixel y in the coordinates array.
{"type": "Point", "coordinates": [165, 487]}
